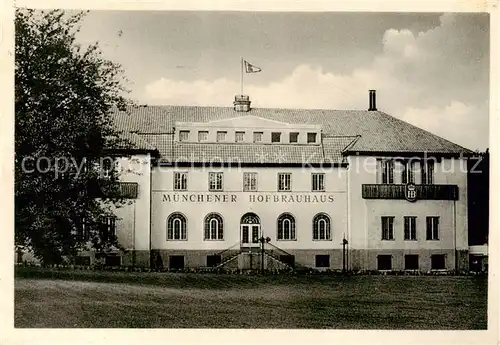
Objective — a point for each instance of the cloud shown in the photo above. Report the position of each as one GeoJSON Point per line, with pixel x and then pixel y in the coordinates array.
{"type": "Point", "coordinates": [458, 122]}
{"type": "Point", "coordinates": [437, 80]}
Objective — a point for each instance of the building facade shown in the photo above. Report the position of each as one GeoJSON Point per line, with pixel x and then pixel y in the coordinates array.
{"type": "Point", "coordinates": [249, 188]}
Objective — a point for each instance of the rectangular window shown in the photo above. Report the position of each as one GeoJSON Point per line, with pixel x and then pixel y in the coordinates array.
{"type": "Point", "coordinates": [240, 137]}
{"type": "Point", "coordinates": [202, 136]}
{"type": "Point", "coordinates": [432, 228]}
{"type": "Point", "coordinates": [108, 227]}
{"type": "Point", "coordinates": [294, 137]}
{"type": "Point", "coordinates": [176, 262]}
{"type": "Point", "coordinates": [322, 260]}
{"type": "Point", "coordinates": [410, 228]}
{"type": "Point", "coordinates": [284, 182]}
{"type": "Point", "coordinates": [183, 135]}
{"type": "Point", "coordinates": [427, 171]}
{"type": "Point", "coordinates": [411, 262]}
{"type": "Point", "coordinates": [112, 260]}
{"type": "Point", "coordinates": [318, 184]}
{"type": "Point", "coordinates": [384, 262]}
{"type": "Point", "coordinates": [275, 137]}
{"type": "Point", "coordinates": [180, 180]}
{"type": "Point", "coordinates": [257, 137]}
{"type": "Point", "coordinates": [408, 172]}
{"type": "Point", "coordinates": [311, 138]}
{"type": "Point", "coordinates": [438, 262]}
{"type": "Point", "coordinates": [215, 181]}
{"type": "Point", "coordinates": [249, 182]}
{"type": "Point", "coordinates": [288, 259]}
{"type": "Point", "coordinates": [386, 171]}
{"type": "Point", "coordinates": [221, 136]}
{"type": "Point", "coordinates": [387, 228]}
{"type": "Point", "coordinates": [213, 260]}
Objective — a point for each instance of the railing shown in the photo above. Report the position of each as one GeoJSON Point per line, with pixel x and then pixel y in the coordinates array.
{"type": "Point", "coordinates": [227, 260]}
{"type": "Point", "coordinates": [279, 249]}
{"type": "Point", "coordinates": [274, 257]}
{"type": "Point", "coordinates": [284, 253]}
{"type": "Point", "coordinates": [124, 190]}
{"type": "Point", "coordinates": [228, 249]}
{"type": "Point", "coordinates": [398, 191]}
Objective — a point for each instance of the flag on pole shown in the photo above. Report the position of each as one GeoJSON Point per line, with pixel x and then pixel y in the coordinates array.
{"type": "Point", "coordinates": [249, 68]}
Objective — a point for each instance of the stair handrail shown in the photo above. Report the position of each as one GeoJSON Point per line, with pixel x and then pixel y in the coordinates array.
{"type": "Point", "coordinates": [278, 248]}
{"type": "Point", "coordinates": [227, 249]}
{"type": "Point", "coordinates": [278, 259]}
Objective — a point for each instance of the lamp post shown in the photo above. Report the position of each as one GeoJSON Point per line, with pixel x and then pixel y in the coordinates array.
{"type": "Point", "coordinates": [262, 241]}
{"type": "Point", "coordinates": [344, 244]}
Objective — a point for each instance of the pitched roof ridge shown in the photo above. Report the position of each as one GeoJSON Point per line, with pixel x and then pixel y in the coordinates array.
{"type": "Point", "coordinates": [421, 130]}
{"type": "Point", "coordinates": [247, 113]}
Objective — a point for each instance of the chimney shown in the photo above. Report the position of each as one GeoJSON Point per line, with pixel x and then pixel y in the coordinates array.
{"type": "Point", "coordinates": [373, 101]}
{"type": "Point", "coordinates": [242, 103]}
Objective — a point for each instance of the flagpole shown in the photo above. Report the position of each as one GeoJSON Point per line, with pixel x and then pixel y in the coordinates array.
{"type": "Point", "coordinates": [241, 76]}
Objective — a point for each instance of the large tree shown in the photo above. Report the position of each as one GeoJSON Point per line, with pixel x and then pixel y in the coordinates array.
{"type": "Point", "coordinates": [64, 97]}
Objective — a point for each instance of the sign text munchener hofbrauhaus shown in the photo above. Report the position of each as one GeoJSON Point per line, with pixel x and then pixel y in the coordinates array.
{"type": "Point", "coordinates": [252, 198]}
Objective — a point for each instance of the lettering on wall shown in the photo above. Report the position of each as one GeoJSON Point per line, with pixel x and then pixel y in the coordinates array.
{"type": "Point", "coordinates": [307, 198]}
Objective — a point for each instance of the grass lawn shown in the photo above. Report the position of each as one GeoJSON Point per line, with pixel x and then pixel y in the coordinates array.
{"type": "Point", "coordinates": [169, 300]}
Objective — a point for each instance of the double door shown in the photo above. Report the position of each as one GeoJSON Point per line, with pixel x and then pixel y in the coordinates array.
{"type": "Point", "coordinates": [250, 234]}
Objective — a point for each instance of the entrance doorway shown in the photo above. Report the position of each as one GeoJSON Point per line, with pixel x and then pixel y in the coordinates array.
{"type": "Point", "coordinates": [250, 230]}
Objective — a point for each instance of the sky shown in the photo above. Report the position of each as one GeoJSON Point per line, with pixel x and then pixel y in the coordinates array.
{"type": "Point", "coordinates": [429, 69]}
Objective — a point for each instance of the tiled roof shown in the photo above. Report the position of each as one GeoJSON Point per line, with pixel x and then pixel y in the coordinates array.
{"type": "Point", "coordinates": [137, 141]}
{"type": "Point", "coordinates": [342, 131]}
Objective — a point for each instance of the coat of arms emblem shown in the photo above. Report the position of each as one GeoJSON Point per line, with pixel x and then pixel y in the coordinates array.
{"type": "Point", "coordinates": [411, 192]}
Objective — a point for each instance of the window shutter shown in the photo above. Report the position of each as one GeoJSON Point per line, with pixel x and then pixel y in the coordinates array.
{"type": "Point", "coordinates": [436, 228]}
{"type": "Point", "coordinates": [384, 222]}
{"type": "Point", "coordinates": [404, 172]}
{"type": "Point", "coordinates": [430, 172]}
{"type": "Point", "coordinates": [429, 228]}
{"type": "Point", "coordinates": [391, 228]}
{"type": "Point", "coordinates": [391, 171]}
{"type": "Point", "coordinates": [379, 171]}
{"type": "Point", "coordinates": [423, 172]}
{"type": "Point", "coordinates": [407, 228]}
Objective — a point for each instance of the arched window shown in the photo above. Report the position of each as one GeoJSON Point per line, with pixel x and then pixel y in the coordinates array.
{"type": "Point", "coordinates": [176, 227]}
{"type": "Point", "coordinates": [214, 227]}
{"type": "Point", "coordinates": [286, 227]}
{"type": "Point", "coordinates": [321, 227]}
{"type": "Point", "coordinates": [250, 218]}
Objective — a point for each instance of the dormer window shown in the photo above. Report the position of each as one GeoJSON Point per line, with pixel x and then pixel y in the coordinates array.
{"type": "Point", "coordinates": [275, 137]}
{"type": "Point", "coordinates": [202, 136]}
{"type": "Point", "coordinates": [311, 138]}
{"type": "Point", "coordinates": [221, 136]}
{"type": "Point", "coordinates": [257, 137]}
{"type": "Point", "coordinates": [294, 137]}
{"type": "Point", "coordinates": [183, 135]}
{"type": "Point", "coordinates": [240, 137]}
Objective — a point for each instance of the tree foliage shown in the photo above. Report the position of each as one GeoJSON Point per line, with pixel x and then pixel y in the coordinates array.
{"type": "Point", "coordinates": [64, 97]}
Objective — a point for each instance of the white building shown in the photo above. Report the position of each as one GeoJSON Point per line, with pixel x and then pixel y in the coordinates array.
{"type": "Point", "coordinates": [208, 182]}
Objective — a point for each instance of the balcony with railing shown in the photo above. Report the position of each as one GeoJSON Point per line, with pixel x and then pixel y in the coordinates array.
{"type": "Point", "coordinates": [399, 191]}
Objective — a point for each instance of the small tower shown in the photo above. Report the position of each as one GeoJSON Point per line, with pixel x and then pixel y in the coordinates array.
{"type": "Point", "coordinates": [242, 103]}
